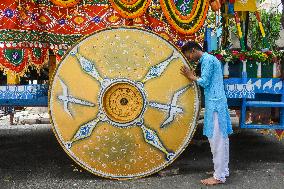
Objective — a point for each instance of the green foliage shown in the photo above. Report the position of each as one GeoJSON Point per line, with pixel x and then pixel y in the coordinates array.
{"type": "Point", "coordinates": [271, 24]}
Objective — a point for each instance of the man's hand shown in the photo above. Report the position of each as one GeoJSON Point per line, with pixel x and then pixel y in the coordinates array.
{"type": "Point", "coordinates": [188, 73]}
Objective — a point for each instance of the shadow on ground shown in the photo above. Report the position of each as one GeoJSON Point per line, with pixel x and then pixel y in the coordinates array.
{"type": "Point", "coordinates": [39, 155]}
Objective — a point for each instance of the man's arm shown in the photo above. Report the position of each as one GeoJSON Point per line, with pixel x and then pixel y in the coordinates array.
{"type": "Point", "coordinates": [206, 73]}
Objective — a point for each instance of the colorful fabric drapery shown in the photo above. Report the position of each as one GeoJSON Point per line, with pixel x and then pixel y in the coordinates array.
{"type": "Point", "coordinates": [18, 59]}
{"type": "Point", "coordinates": [56, 25]}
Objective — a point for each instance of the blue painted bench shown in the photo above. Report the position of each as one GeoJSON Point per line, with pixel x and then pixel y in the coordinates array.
{"type": "Point", "coordinates": [247, 90]}
{"type": "Point", "coordinates": [24, 95]}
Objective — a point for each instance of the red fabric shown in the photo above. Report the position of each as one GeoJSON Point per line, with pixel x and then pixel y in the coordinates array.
{"type": "Point", "coordinates": [280, 134]}
{"type": "Point", "coordinates": [47, 19]}
{"type": "Point", "coordinates": [28, 59]}
{"type": "Point", "coordinates": [83, 20]}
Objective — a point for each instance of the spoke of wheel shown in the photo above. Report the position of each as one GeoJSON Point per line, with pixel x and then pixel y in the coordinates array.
{"type": "Point", "coordinates": [172, 108]}
{"type": "Point", "coordinates": [83, 132]}
{"type": "Point", "coordinates": [179, 92]}
{"type": "Point", "coordinates": [87, 66]}
{"type": "Point", "coordinates": [66, 98]}
{"type": "Point", "coordinates": [165, 107]}
{"type": "Point", "coordinates": [152, 138]}
{"type": "Point", "coordinates": [158, 69]}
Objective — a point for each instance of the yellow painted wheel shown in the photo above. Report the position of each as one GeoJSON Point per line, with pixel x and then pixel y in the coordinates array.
{"type": "Point", "coordinates": [119, 106]}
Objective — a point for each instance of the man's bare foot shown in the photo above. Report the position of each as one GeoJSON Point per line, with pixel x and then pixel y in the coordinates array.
{"type": "Point", "coordinates": [211, 181]}
{"type": "Point", "coordinates": [210, 172]}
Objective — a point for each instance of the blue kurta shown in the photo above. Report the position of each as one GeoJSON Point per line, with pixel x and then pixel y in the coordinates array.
{"type": "Point", "coordinates": [215, 99]}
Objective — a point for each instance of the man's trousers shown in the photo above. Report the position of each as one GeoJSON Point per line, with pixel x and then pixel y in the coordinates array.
{"type": "Point", "coordinates": [219, 145]}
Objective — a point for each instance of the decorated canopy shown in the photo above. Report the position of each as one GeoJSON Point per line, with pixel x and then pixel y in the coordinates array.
{"type": "Point", "coordinates": [30, 28]}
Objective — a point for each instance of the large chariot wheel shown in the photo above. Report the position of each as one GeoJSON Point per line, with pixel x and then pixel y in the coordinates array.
{"type": "Point", "coordinates": [119, 106]}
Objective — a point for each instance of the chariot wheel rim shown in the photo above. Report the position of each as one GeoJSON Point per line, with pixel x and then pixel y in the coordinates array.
{"type": "Point", "coordinates": [123, 111]}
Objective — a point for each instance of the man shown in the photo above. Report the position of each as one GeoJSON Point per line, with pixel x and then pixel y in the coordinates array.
{"type": "Point", "coordinates": [217, 123]}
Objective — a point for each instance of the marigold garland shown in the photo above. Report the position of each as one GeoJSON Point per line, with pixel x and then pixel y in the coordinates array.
{"type": "Point", "coordinates": [177, 12]}
{"type": "Point", "coordinates": [65, 3]}
{"type": "Point", "coordinates": [132, 9]}
{"type": "Point", "coordinates": [186, 26]}
{"type": "Point", "coordinates": [129, 2]}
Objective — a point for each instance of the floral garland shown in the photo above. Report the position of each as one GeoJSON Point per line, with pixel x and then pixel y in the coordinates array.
{"type": "Point", "coordinates": [130, 9]}
{"type": "Point", "coordinates": [259, 56]}
{"type": "Point", "coordinates": [182, 9]}
{"type": "Point", "coordinates": [188, 24]}
{"type": "Point", "coordinates": [65, 3]}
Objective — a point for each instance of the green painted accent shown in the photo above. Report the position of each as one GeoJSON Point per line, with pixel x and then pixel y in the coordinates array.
{"type": "Point", "coordinates": [265, 43]}
{"type": "Point", "coordinates": [266, 70]}
{"type": "Point", "coordinates": [15, 56]}
{"type": "Point", "coordinates": [61, 52]}
{"type": "Point", "coordinates": [251, 69]}
{"type": "Point", "coordinates": [188, 4]}
{"type": "Point", "coordinates": [37, 52]}
{"type": "Point", "coordinates": [242, 43]}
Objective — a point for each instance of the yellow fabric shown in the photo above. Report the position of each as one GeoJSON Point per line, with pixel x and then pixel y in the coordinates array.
{"type": "Point", "coordinates": [239, 30]}
{"type": "Point", "coordinates": [261, 29]}
{"type": "Point", "coordinates": [12, 79]}
{"type": "Point", "coordinates": [245, 5]}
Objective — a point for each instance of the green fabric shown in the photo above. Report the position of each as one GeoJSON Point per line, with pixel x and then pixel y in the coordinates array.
{"type": "Point", "coordinates": [14, 56]}
{"type": "Point", "coordinates": [42, 37]}
{"type": "Point", "coordinates": [37, 52]}
{"type": "Point", "coordinates": [184, 6]}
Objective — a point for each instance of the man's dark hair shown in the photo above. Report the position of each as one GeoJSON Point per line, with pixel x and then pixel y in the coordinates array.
{"type": "Point", "coordinates": [190, 45]}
